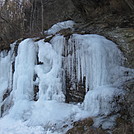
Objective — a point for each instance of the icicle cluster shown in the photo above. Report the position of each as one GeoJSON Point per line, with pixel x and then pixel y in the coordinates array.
{"type": "Point", "coordinates": [92, 57]}
{"type": "Point", "coordinates": [33, 80]}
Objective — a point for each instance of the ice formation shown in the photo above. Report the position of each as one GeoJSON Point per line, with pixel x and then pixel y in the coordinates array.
{"type": "Point", "coordinates": [51, 68]}
{"type": "Point", "coordinates": [59, 26]}
{"type": "Point", "coordinates": [4, 75]}
{"type": "Point", "coordinates": [33, 88]}
{"type": "Point", "coordinates": [92, 57]}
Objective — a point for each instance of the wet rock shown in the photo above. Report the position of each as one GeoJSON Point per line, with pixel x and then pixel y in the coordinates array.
{"type": "Point", "coordinates": [75, 94]}
{"type": "Point", "coordinates": [123, 127]}
{"type": "Point", "coordinates": [128, 112]}
{"type": "Point", "coordinates": [85, 127]}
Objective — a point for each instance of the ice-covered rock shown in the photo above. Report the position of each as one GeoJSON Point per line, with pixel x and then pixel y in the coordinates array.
{"type": "Point", "coordinates": [90, 59]}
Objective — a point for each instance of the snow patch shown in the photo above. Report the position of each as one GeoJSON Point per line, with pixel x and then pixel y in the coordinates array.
{"type": "Point", "coordinates": [59, 26]}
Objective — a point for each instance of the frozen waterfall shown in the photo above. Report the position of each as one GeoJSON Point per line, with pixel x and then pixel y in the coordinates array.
{"type": "Point", "coordinates": [33, 82]}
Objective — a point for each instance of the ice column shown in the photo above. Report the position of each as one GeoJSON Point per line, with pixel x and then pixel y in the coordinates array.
{"type": "Point", "coordinates": [50, 71]}
{"type": "Point", "coordinates": [4, 75]}
{"type": "Point", "coordinates": [23, 78]}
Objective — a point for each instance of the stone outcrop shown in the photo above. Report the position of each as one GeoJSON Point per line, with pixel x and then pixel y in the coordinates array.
{"type": "Point", "coordinates": [85, 127]}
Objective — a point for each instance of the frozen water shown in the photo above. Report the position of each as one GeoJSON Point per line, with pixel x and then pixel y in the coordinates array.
{"type": "Point", "coordinates": [23, 78]}
{"type": "Point", "coordinates": [93, 57]}
{"type": "Point", "coordinates": [10, 126]}
{"type": "Point", "coordinates": [49, 73]}
{"type": "Point", "coordinates": [89, 58]}
{"type": "Point", "coordinates": [59, 26]}
{"type": "Point", "coordinates": [4, 75]}
{"type": "Point", "coordinates": [100, 101]}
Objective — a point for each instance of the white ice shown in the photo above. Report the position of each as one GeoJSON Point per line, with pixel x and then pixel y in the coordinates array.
{"type": "Point", "coordinates": [59, 26]}
{"type": "Point", "coordinates": [23, 78]}
{"type": "Point", "coordinates": [44, 64]}
{"type": "Point", "coordinates": [49, 73]}
{"type": "Point", "coordinates": [4, 75]}
{"type": "Point", "coordinates": [96, 59]}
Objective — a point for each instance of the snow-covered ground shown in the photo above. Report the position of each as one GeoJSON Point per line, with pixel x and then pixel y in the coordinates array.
{"type": "Point", "coordinates": [43, 65]}
{"type": "Point", "coordinates": [48, 117]}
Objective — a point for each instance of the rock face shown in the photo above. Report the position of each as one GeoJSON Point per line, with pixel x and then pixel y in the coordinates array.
{"type": "Point", "coordinates": [84, 127]}
{"type": "Point", "coordinates": [97, 7]}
